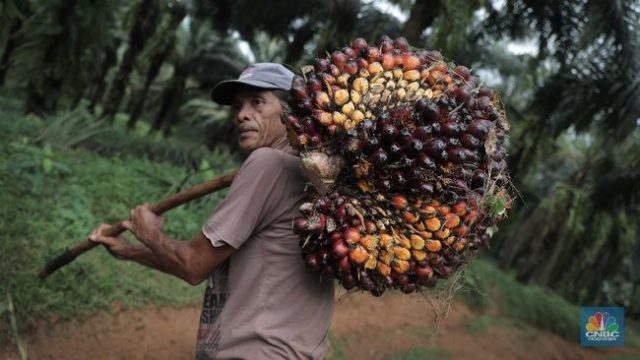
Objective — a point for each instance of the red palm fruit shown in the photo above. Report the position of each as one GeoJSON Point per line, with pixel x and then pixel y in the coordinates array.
{"type": "Point", "coordinates": [398, 57]}
{"type": "Point", "coordinates": [359, 44]}
{"type": "Point", "coordinates": [462, 71]}
{"type": "Point", "coordinates": [340, 249]}
{"type": "Point", "coordinates": [471, 217]}
{"type": "Point", "coordinates": [373, 54]}
{"type": "Point", "coordinates": [348, 281]}
{"type": "Point", "coordinates": [479, 128]}
{"type": "Point", "coordinates": [328, 79]}
{"type": "Point", "coordinates": [336, 236]}
{"type": "Point", "coordinates": [320, 65]}
{"type": "Point", "coordinates": [461, 230]}
{"type": "Point", "coordinates": [408, 288]}
{"type": "Point", "coordinates": [386, 45]}
{"type": "Point", "coordinates": [300, 225]}
{"type": "Point", "coordinates": [362, 63]}
{"type": "Point", "coordinates": [351, 235]}
{"type": "Point", "coordinates": [423, 273]}
{"type": "Point", "coordinates": [445, 270]}
{"type": "Point", "coordinates": [469, 141]}
{"type": "Point", "coordinates": [351, 67]}
{"type": "Point", "coordinates": [432, 56]}
{"type": "Point", "coordinates": [410, 217]}
{"type": "Point", "coordinates": [399, 201]}
{"type": "Point", "coordinates": [312, 262]}
{"type": "Point", "coordinates": [334, 71]}
{"type": "Point", "coordinates": [314, 84]}
{"type": "Point", "coordinates": [410, 61]}
{"type": "Point", "coordinates": [370, 227]}
{"type": "Point", "coordinates": [349, 52]}
{"type": "Point", "coordinates": [339, 59]}
{"type": "Point", "coordinates": [460, 208]}
{"type": "Point", "coordinates": [344, 264]}
{"type": "Point", "coordinates": [293, 123]}
{"type": "Point", "coordinates": [401, 43]}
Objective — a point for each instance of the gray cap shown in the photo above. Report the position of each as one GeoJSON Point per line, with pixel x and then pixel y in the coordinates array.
{"type": "Point", "coordinates": [269, 76]}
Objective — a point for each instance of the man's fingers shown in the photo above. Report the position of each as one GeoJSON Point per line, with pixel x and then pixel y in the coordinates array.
{"type": "Point", "coordinates": [127, 225]}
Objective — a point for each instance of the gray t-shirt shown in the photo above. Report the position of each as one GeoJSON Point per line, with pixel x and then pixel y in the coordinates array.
{"type": "Point", "coordinates": [263, 303]}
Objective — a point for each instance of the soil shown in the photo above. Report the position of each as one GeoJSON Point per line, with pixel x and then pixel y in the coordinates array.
{"type": "Point", "coordinates": [363, 328]}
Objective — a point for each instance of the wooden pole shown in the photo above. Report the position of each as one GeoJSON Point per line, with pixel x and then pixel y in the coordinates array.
{"type": "Point", "coordinates": [116, 229]}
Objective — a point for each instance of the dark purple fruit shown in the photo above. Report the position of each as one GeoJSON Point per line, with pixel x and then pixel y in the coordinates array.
{"type": "Point", "coordinates": [479, 128]}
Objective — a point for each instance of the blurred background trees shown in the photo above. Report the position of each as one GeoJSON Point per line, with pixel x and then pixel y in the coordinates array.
{"type": "Point", "coordinates": [568, 72]}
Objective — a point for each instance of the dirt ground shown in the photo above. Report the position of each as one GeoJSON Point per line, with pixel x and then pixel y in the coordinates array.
{"type": "Point", "coordinates": [363, 328]}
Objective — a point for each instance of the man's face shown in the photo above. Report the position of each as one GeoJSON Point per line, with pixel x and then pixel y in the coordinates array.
{"type": "Point", "coordinates": [257, 115]}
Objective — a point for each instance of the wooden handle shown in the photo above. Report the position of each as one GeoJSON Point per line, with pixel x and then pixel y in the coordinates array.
{"type": "Point", "coordinates": [159, 208]}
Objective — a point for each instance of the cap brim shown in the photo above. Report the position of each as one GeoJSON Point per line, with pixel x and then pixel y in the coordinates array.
{"type": "Point", "coordinates": [225, 91]}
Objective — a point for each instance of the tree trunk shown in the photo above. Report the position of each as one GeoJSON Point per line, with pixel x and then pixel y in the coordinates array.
{"type": "Point", "coordinates": [178, 13]}
{"type": "Point", "coordinates": [99, 83]}
{"type": "Point", "coordinates": [146, 16]}
{"type": "Point", "coordinates": [423, 13]}
{"type": "Point", "coordinates": [296, 47]}
{"type": "Point", "coordinates": [171, 99]}
{"type": "Point", "coordinates": [8, 50]}
{"type": "Point", "coordinates": [44, 90]}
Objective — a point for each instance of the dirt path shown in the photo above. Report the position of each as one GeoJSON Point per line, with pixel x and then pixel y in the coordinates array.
{"type": "Point", "coordinates": [363, 328]}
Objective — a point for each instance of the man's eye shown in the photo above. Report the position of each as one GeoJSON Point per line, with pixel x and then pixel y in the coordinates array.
{"type": "Point", "coordinates": [258, 101]}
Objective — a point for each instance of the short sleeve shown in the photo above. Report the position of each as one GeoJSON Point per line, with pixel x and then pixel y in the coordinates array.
{"type": "Point", "coordinates": [242, 212]}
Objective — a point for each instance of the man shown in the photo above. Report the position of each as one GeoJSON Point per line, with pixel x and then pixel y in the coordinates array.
{"type": "Point", "coordinates": [261, 302]}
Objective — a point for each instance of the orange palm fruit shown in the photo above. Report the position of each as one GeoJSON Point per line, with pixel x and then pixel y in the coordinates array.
{"type": "Point", "coordinates": [369, 242]}
{"type": "Point", "coordinates": [383, 269]}
{"type": "Point", "coordinates": [417, 242]}
{"type": "Point", "coordinates": [444, 210]}
{"type": "Point", "coordinates": [371, 262]}
{"type": "Point", "coordinates": [400, 266]}
{"type": "Point", "coordinates": [432, 224]}
{"type": "Point", "coordinates": [428, 211]}
{"type": "Point", "coordinates": [410, 217]}
{"type": "Point", "coordinates": [449, 240]}
{"type": "Point", "coordinates": [460, 244]}
{"type": "Point", "coordinates": [358, 254]}
{"type": "Point", "coordinates": [386, 241]}
{"type": "Point", "coordinates": [401, 253]}
{"type": "Point", "coordinates": [443, 233]}
{"type": "Point", "coordinates": [419, 255]}
{"type": "Point", "coordinates": [433, 245]}
{"type": "Point", "coordinates": [461, 230]}
{"type": "Point", "coordinates": [452, 221]}
{"type": "Point", "coordinates": [425, 234]}
{"type": "Point", "coordinates": [399, 201]}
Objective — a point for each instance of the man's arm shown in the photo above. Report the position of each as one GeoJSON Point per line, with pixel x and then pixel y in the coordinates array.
{"type": "Point", "coordinates": [192, 261]}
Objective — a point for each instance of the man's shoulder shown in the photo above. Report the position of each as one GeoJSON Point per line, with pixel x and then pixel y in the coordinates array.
{"type": "Point", "coordinates": [268, 157]}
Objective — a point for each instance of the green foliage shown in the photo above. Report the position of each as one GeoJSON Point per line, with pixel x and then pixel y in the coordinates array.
{"type": "Point", "coordinates": [492, 289]}
{"type": "Point", "coordinates": [45, 208]}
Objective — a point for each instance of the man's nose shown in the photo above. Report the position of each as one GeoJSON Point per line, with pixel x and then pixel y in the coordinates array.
{"type": "Point", "coordinates": [243, 113]}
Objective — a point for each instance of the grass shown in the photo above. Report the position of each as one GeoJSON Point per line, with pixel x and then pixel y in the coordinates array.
{"type": "Point", "coordinates": [489, 289]}
{"type": "Point", "coordinates": [52, 196]}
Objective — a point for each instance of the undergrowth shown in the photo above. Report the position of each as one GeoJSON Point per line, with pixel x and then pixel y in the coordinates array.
{"type": "Point", "coordinates": [55, 191]}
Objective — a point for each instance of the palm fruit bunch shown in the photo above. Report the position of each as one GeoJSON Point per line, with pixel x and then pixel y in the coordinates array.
{"type": "Point", "coordinates": [406, 152]}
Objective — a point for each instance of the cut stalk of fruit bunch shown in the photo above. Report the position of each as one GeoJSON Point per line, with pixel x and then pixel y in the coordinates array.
{"type": "Point", "coordinates": [403, 150]}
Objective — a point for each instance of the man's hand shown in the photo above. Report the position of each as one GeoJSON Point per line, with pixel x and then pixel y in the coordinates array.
{"type": "Point", "coordinates": [117, 246]}
{"type": "Point", "coordinates": [144, 224]}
